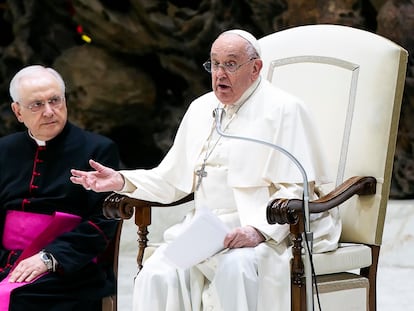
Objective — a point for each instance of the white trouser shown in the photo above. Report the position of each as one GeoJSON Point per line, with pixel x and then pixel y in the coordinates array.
{"type": "Point", "coordinates": [226, 282]}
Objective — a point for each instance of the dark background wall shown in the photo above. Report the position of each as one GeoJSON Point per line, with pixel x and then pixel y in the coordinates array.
{"type": "Point", "coordinates": [133, 66]}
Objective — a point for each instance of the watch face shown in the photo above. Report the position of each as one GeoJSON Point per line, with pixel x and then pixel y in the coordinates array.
{"type": "Point", "coordinates": [47, 260]}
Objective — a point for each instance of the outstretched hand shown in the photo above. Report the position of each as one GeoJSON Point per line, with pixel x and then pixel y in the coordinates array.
{"type": "Point", "coordinates": [103, 179]}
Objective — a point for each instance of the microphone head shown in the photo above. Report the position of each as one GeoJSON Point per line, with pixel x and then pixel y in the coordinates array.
{"type": "Point", "coordinates": [218, 114]}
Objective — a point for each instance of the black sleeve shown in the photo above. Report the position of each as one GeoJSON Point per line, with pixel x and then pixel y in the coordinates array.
{"type": "Point", "coordinates": [75, 249]}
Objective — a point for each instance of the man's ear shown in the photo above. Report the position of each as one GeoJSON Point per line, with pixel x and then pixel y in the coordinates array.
{"type": "Point", "coordinates": [257, 67]}
{"type": "Point", "coordinates": [16, 109]}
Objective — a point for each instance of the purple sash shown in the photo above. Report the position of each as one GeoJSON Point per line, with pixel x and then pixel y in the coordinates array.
{"type": "Point", "coordinates": [31, 232]}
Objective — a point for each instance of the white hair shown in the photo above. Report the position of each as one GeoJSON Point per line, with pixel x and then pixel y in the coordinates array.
{"type": "Point", "coordinates": [30, 70]}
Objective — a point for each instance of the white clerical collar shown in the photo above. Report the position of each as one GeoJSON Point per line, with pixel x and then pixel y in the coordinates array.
{"type": "Point", "coordinates": [38, 142]}
{"type": "Point", "coordinates": [231, 109]}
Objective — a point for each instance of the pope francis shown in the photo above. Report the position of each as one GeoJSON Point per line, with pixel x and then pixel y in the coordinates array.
{"type": "Point", "coordinates": [234, 180]}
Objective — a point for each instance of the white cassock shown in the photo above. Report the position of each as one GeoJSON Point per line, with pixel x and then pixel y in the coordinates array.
{"type": "Point", "coordinates": [242, 177]}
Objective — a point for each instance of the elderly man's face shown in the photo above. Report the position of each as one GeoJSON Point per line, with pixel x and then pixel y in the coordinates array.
{"type": "Point", "coordinates": [228, 86]}
{"type": "Point", "coordinates": [49, 120]}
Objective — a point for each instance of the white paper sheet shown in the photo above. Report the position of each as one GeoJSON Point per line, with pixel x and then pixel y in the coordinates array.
{"type": "Point", "coordinates": [202, 238]}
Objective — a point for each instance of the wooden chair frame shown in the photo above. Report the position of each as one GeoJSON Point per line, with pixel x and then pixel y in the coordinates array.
{"type": "Point", "coordinates": [284, 211]}
{"type": "Point", "coordinates": [111, 255]}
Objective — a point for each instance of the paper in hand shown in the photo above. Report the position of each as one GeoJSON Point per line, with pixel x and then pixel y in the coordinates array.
{"type": "Point", "coordinates": [203, 238]}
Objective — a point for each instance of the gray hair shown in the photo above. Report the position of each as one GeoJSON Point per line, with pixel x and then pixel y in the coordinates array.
{"type": "Point", "coordinates": [251, 51]}
{"type": "Point", "coordinates": [30, 70]}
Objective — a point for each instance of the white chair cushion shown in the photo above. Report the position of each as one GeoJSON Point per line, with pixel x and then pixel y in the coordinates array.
{"type": "Point", "coordinates": [347, 257]}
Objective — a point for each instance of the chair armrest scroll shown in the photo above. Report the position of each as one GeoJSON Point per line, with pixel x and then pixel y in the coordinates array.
{"type": "Point", "coordinates": [119, 206]}
{"type": "Point", "coordinates": [284, 211]}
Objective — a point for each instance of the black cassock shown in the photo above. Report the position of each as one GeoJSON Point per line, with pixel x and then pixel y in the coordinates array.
{"type": "Point", "coordinates": [36, 179]}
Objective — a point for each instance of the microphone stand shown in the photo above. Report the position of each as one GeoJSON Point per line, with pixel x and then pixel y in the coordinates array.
{"type": "Point", "coordinates": [218, 115]}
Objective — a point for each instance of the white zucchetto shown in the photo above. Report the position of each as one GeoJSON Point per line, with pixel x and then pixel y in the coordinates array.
{"type": "Point", "coordinates": [247, 36]}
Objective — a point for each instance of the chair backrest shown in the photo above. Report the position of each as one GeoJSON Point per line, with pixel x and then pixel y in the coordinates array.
{"type": "Point", "coordinates": [353, 81]}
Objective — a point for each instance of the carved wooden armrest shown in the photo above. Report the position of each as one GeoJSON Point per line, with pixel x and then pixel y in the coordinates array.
{"type": "Point", "coordinates": [287, 211]}
{"type": "Point", "coordinates": [121, 206]}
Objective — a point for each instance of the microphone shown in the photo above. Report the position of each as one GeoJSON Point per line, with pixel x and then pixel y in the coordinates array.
{"type": "Point", "coordinates": [218, 114]}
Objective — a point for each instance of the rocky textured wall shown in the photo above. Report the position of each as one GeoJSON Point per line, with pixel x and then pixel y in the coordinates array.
{"type": "Point", "coordinates": [133, 66]}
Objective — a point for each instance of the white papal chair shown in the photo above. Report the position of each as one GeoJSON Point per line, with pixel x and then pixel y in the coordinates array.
{"type": "Point", "coordinates": [352, 80]}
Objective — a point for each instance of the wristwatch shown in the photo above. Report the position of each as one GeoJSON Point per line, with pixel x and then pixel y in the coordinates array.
{"type": "Point", "coordinates": [47, 260]}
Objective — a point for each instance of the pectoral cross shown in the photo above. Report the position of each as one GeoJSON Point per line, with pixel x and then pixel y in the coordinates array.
{"type": "Point", "coordinates": [201, 173]}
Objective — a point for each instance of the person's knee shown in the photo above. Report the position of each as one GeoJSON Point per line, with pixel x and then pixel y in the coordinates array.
{"type": "Point", "coordinates": [236, 276]}
{"type": "Point", "coordinates": [237, 262]}
{"type": "Point", "coordinates": [151, 276]}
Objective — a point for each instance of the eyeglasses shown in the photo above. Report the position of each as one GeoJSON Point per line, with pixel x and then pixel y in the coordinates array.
{"type": "Point", "coordinates": [230, 67]}
{"type": "Point", "coordinates": [54, 102]}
